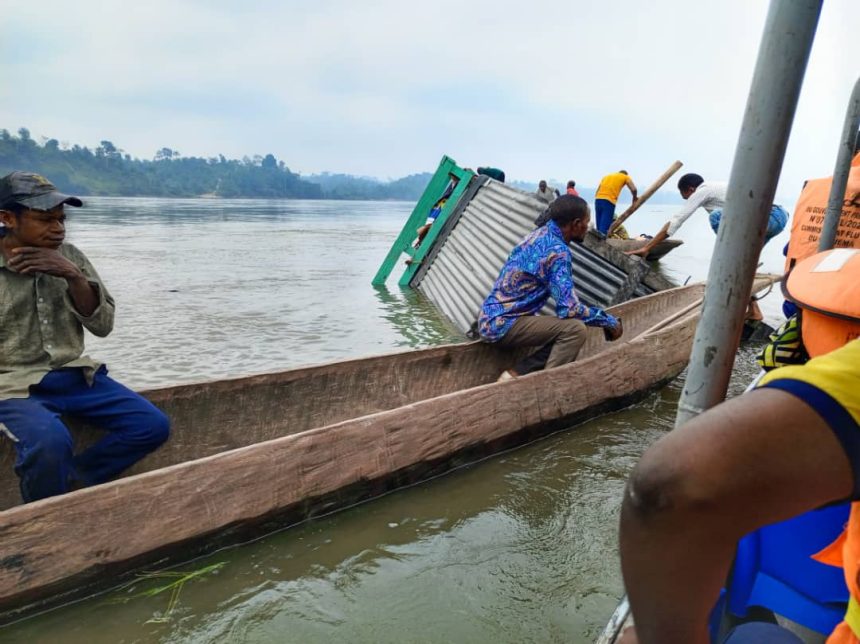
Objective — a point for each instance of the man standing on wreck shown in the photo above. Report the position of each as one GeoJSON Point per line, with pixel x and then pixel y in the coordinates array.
{"type": "Point", "coordinates": [540, 267]}
{"type": "Point", "coordinates": [49, 292]}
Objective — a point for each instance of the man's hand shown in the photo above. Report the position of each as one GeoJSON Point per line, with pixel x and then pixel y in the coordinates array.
{"type": "Point", "coordinates": [613, 333]}
{"type": "Point", "coordinates": [639, 252]}
{"type": "Point", "coordinates": [29, 259]}
{"type": "Point", "coordinates": [629, 636]}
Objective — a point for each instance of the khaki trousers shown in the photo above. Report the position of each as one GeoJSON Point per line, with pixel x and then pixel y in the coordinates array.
{"type": "Point", "coordinates": [562, 338]}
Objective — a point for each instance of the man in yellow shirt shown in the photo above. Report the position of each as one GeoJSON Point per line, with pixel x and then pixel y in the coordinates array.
{"type": "Point", "coordinates": [607, 196]}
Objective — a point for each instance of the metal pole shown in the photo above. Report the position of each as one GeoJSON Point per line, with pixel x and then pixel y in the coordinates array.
{"type": "Point", "coordinates": [782, 57]}
{"type": "Point", "coordinates": [847, 145]}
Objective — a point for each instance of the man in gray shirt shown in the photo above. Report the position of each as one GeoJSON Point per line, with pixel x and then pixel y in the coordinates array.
{"type": "Point", "coordinates": [49, 293]}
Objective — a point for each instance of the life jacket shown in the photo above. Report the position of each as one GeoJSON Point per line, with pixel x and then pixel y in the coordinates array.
{"type": "Point", "coordinates": [826, 288]}
{"type": "Point", "coordinates": [841, 553]}
{"type": "Point", "coordinates": [809, 212]}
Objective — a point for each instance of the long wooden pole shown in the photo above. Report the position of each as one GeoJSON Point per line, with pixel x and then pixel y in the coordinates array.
{"type": "Point", "coordinates": [654, 187]}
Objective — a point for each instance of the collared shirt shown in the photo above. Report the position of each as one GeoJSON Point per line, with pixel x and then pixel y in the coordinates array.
{"type": "Point", "coordinates": [547, 195]}
{"type": "Point", "coordinates": [539, 267]}
{"type": "Point", "coordinates": [710, 196]}
{"type": "Point", "coordinates": [610, 186]}
{"type": "Point", "coordinates": [40, 329]}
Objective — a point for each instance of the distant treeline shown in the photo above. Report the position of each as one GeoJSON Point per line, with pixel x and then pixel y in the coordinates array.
{"type": "Point", "coordinates": [108, 170]}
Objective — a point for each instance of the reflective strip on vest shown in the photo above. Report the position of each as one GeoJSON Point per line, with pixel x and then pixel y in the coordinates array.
{"type": "Point", "coordinates": [852, 616]}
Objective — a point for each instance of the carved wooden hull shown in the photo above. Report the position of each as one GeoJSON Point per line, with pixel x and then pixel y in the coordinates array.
{"type": "Point", "coordinates": [251, 454]}
{"type": "Point", "coordinates": [659, 251]}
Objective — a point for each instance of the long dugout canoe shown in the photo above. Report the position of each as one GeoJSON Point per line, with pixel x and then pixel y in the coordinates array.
{"type": "Point", "coordinates": [253, 454]}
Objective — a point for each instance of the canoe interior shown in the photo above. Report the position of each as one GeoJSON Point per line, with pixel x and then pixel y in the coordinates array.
{"type": "Point", "coordinates": [214, 417]}
{"type": "Point", "coordinates": [659, 251]}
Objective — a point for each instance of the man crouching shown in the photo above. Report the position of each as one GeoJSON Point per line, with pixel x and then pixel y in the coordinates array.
{"type": "Point", "coordinates": [540, 267]}
{"type": "Point", "coordinates": [49, 292]}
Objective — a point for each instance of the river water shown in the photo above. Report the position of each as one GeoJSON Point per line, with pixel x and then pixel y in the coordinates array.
{"type": "Point", "coordinates": [518, 548]}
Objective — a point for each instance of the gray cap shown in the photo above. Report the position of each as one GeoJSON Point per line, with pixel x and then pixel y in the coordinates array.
{"type": "Point", "coordinates": [32, 191]}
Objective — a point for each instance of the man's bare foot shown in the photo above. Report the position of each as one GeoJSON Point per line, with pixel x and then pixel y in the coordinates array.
{"type": "Point", "coordinates": [754, 313]}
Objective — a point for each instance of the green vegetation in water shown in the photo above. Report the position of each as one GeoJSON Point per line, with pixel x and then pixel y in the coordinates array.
{"type": "Point", "coordinates": [175, 581]}
{"type": "Point", "coordinates": [108, 171]}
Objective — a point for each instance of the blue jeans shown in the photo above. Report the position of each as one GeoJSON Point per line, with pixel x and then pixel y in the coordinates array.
{"type": "Point", "coordinates": [775, 222]}
{"type": "Point", "coordinates": [604, 213]}
{"type": "Point", "coordinates": [45, 464]}
{"type": "Point", "coordinates": [760, 633]}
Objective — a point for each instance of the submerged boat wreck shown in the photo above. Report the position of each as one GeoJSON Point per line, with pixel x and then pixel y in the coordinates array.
{"type": "Point", "coordinates": [481, 220]}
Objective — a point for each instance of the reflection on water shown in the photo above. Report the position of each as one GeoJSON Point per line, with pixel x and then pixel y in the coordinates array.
{"type": "Point", "coordinates": [414, 317]}
{"type": "Point", "coordinates": [518, 548]}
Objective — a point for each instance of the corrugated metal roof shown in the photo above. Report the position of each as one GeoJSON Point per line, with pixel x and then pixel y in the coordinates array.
{"type": "Point", "coordinates": [460, 270]}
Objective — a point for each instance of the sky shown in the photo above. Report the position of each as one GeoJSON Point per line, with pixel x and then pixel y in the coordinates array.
{"type": "Point", "coordinates": [555, 89]}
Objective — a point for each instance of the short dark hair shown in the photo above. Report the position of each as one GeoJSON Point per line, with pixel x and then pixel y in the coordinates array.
{"type": "Point", "coordinates": [690, 180]}
{"type": "Point", "coordinates": [567, 208]}
{"type": "Point", "coordinates": [571, 184]}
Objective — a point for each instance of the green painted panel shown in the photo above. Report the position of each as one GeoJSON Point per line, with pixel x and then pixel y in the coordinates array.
{"type": "Point", "coordinates": [447, 170]}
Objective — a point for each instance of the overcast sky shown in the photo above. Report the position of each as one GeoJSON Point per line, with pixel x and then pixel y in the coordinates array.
{"type": "Point", "coordinates": [546, 88]}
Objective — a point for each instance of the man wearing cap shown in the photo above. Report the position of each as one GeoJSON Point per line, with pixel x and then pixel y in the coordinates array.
{"type": "Point", "coordinates": [49, 293]}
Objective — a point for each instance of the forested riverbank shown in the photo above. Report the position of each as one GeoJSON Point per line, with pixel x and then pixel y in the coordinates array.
{"type": "Point", "coordinates": [107, 170]}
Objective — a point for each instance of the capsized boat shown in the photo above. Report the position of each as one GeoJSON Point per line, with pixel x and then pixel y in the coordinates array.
{"type": "Point", "coordinates": [253, 454]}
{"type": "Point", "coordinates": [481, 220]}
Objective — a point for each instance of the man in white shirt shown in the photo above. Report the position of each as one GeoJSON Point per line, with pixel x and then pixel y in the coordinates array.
{"type": "Point", "coordinates": [544, 192]}
{"type": "Point", "coordinates": [711, 196]}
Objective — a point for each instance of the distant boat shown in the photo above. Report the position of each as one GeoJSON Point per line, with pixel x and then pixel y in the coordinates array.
{"type": "Point", "coordinates": [251, 454]}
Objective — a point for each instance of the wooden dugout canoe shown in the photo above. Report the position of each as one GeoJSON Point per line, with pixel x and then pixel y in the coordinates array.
{"type": "Point", "coordinates": [251, 454]}
{"type": "Point", "coordinates": [658, 252]}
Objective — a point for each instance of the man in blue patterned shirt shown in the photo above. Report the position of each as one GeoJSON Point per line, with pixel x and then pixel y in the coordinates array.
{"type": "Point", "coordinates": [537, 269]}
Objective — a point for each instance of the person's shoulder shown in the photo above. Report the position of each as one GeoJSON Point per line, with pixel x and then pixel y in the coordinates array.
{"type": "Point", "coordinates": [836, 373]}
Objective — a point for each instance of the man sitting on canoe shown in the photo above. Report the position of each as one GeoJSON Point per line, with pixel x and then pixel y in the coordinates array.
{"type": "Point", "coordinates": [49, 293]}
{"type": "Point", "coordinates": [540, 267]}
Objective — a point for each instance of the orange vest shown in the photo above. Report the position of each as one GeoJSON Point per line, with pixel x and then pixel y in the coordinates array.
{"type": "Point", "coordinates": [826, 287]}
{"type": "Point", "coordinates": [845, 553]}
{"type": "Point", "coordinates": [830, 318]}
{"type": "Point", "coordinates": [808, 217]}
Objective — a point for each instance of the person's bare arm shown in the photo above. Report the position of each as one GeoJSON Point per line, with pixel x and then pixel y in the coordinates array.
{"type": "Point", "coordinates": [757, 459]}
